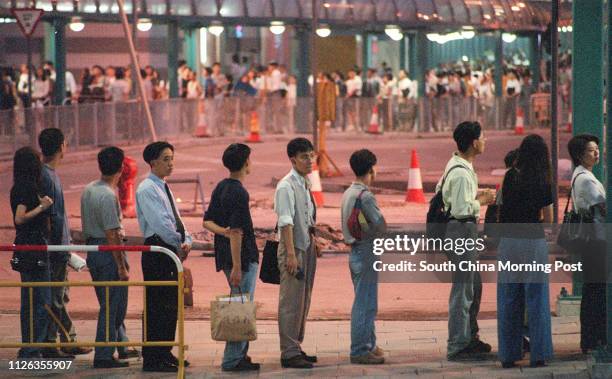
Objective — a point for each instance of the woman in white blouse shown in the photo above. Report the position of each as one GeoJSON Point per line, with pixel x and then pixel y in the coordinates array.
{"type": "Point", "coordinates": [589, 198]}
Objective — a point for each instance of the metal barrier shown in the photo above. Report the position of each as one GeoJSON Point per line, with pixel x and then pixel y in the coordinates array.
{"type": "Point", "coordinates": [87, 125]}
{"type": "Point", "coordinates": [180, 283]}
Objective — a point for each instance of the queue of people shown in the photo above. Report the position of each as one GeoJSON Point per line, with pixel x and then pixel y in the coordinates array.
{"type": "Point", "coordinates": [525, 198]}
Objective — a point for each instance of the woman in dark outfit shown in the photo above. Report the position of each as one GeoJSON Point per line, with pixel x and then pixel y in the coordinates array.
{"type": "Point", "coordinates": [32, 228]}
{"type": "Point", "coordinates": [589, 199]}
{"type": "Point", "coordinates": [527, 201]}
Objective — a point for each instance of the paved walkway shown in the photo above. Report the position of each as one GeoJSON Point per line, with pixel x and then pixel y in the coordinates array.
{"type": "Point", "coordinates": [413, 349]}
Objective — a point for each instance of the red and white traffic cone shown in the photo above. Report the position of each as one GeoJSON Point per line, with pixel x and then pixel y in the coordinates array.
{"type": "Point", "coordinates": [414, 193]}
{"type": "Point", "coordinates": [519, 127]}
{"type": "Point", "coordinates": [254, 128]}
{"type": "Point", "coordinates": [374, 126]}
{"type": "Point", "coordinates": [201, 130]}
{"type": "Point", "coordinates": [315, 185]}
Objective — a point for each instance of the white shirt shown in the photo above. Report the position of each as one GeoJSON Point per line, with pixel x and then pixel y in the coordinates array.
{"type": "Point", "coordinates": [119, 89]}
{"type": "Point", "coordinates": [274, 81]}
{"type": "Point", "coordinates": [353, 86]}
{"type": "Point", "coordinates": [71, 85]}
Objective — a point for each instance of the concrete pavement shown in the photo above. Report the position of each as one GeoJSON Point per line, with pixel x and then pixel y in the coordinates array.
{"type": "Point", "coordinates": [414, 349]}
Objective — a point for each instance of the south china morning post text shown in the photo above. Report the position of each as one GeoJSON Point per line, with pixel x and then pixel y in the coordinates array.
{"type": "Point", "coordinates": [410, 258]}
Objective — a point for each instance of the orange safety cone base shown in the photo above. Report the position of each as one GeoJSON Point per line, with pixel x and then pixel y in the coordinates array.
{"type": "Point", "coordinates": [415, 196]}
{"type": "Point", "coordinates": [318, 197]}
{"type": "Point", "coordinates": [201, 132]}
{"type": "Point", "coordinates": [254, 138]}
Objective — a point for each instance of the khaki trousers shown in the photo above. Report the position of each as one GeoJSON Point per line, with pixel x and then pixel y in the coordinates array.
{"type": "Point", "coordinates": [294, 299]}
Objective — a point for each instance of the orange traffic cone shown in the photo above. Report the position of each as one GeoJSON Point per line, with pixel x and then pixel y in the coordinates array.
{"type": "Point", "coordinates": [414, 193]}
{"type": "Point", "coordinates": [201, 130]}
{"type": "Point", "coordinates": [315, 185]}
{"type": "Point", "coordinates": [519, 127]}
{"type": "Point", "coordinates": [374, 129]}
{"type": "Point", "coordinates": [254, 128]}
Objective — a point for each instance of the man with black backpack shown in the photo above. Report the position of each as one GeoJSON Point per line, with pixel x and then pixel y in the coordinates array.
{"type": "Point", "coordinates": [362, 221]}
{"type": "Point", "coordinates": [462, 202]}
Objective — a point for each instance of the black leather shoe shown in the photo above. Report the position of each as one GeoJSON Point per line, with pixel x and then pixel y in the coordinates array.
{"type": "Point", "coordinates": [296, 362]}
{"type": "Point", "coordinates": [55, 353]}
{"type": "Point", "coordinates": [160, 367]}
{"type": "Point", "coordinates": [174, 361]}
{"type": "Point", "coordinates": [130, 353]}
{"type": "Point", "coordinates": [109, 363]}
{"type": "Point", "coordinates": [243, 365]}
{"type": "Point", "coordinates": [309, 358]}
{"type": "Point", "coordinates": [538, 364]}
{"type": "Point", "coordinates": [477, 346]}
{"type": "Point", "coordinates": [508, 364]}
{"type": "Point", "coordinates": [526, 345]}
{"type": "Point", "coordinates": [77, 350]}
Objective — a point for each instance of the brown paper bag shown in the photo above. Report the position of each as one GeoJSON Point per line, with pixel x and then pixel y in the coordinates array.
{"type": "Point", "coordinates": [233, 318]}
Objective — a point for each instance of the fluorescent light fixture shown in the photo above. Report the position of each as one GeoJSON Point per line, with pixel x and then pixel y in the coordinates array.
{"type": "Point", "coordinates": [323, 31]}
{"type": "Point", "coordinates": [465, 58]}
{"type": "Point", "coordinates": [515, 8]}
{"type": "Point", "coordinates": [508, 37]}
{"type": "Point", "coordinates": [468, 34]}
{"type": "Point", "coordinates": [394, 32]}
{"type": "Point", "coordinates": [521, 4]}
{"type": "Point", "coordinates": [277, 27]}
{"type": "Point", "coordinates": [144, 24]}
{"type": "Point", "coordinates": [76, 24]}
{"type": "Point", "coordinates": [215, 29]}
{"type": "Point", "coordinates": [203, 47]}
{"type": "Point", "coordinates": [564, 29]}
{"type": "Point", "coordinates": [570, 28]}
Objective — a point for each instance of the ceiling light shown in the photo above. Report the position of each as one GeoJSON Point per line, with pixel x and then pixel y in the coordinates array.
{"type": "Point", "coordinates": [521, 4]}
{"type": "Point", "coordinates": [515, 8]}
{"type": "Point", "coordinates": [76, 24]}
{"type": "Point", "coordinates": [468, 34]}
{"type": "Point", "coordinates": [144, 24]}
{"type": "Point", "coordinates": [277, 27]}
{"type": "Point", "coordinates": [394, 32]}
{"type": "Point", "coordinates": [465, 58]}
{"type": "Point", "coordinates": [487, 16]}
{"type": "Point", "coordinates": [323, 31]}
{"type": "Point", "coordinates": [508, 37]}
{"type": "Point", "coordinates": [215, 29]}
{"type": "Point", "coordinates": [570, 28]}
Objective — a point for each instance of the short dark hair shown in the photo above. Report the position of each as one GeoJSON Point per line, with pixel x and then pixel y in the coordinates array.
{"type": "Point", "coordinates": [27, 166]}
{"type": "Point", "coordinates": [465, 133]}
{"type": "Point", "coordinates": [577, 146]}
{"type": "Point", "coordinates": [510, 158]}
{"type": "Point", "coordinates": [235, 156]}
{"type": "Point", "coordinates": [154, 150]}
{"type": "Point", "coordinates": [362, 162]}
{"type": "Point", "coordinates": [110, 160]}
{"type": "Point", "coordinates": [298, 145]}
{"type": "Point", "coordinates": [50, 141]}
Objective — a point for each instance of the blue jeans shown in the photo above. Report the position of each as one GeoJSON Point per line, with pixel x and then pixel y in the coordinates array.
{"type": "Point", "coordinates": [517, 292]}
{"type": "Point", "coordinates": [365, 305]}
{"type": "Point", "coordinates": [236, 351]}
{"type": "Point", "coordinates": [41, 297]}
{"type": "Point", "coordinates": [118, 297]}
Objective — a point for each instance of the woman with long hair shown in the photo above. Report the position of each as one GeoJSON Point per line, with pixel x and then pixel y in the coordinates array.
{"type": "Point", "coordinates": [589, 199]}
{"type": "Point", "coordinates": [31, 220]}
{"type": "Point", "coordinates": [526, 203]}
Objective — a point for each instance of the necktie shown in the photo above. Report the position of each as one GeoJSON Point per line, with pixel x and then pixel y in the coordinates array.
{"type": "Point", "coordinates": [179, 223]}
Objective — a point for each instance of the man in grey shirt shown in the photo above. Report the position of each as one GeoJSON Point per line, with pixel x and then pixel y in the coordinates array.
{"type": "Point", "coordinates": [361, 261]}
{"type": "Point", "coordinates": [101, 221]}
{"type": "Point", "coordinates": [297, 253]}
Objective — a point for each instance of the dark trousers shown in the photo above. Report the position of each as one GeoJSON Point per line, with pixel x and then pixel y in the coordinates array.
{"type": "Point", "coordinates": [162, 302]}
{"type": "Point", "coordinates": [41, 298]}
{"type": "Point", "coordinates": [593, 304]}
{"type": "Point", "coordinates": [59, 298]}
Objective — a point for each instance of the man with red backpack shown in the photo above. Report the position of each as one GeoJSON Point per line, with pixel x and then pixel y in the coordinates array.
{"type": "Point", "coordinates": [362, 221]}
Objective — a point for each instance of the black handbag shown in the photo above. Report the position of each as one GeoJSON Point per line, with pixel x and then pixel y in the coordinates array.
{"type": "Point", "coordinates": [269, 272]}
{"type": "Point", "coordinates": [572, 234]}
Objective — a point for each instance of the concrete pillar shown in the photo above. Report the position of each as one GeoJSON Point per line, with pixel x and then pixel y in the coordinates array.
{"type": "Point", "coordinates": [303, 62]}
{"type": "Point", "coordinates": [587, 67]}
{"type": "Point", "coordinates": [173, 47]}
{"type": "Point", "coordinates": [535, 55]}
{"type": "Point", "coordinates": [366, 52]}
{"type": "Point", "coordinates": [190, 47]}
{"type": "Point", "coordinates": [59, 61]}
{"type": "Point", "coordinates": [49, 41]}
{"type": "Point", "coordinates": [499, 66]}
{"type": "Point", "coordinates": [419, 57]}
{"type": "Point", "coordinates": [412, 57]}
{"type": "Point", "coordinates": [402, 53]}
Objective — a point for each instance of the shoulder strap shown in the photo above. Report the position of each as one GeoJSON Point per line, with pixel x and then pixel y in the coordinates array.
{"type": "Point", "coordinates": [448, 172]}
{"type": "Point", "coordinates": [569, 195]}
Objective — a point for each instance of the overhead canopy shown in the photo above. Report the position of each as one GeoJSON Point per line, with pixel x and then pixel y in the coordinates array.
{"type": "Point", "coordinates": [512, 15]}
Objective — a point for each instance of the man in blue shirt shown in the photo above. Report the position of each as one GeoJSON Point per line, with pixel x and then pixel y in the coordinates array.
{"type": "Point", "coordinates": [53, 146]}
{"type": "Point", "coordinates": [236, 253]}
{"type": "Point", "coordinates": [161, 225]}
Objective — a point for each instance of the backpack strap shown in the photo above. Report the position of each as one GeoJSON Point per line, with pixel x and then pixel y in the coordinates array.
{"type": "Point", "coordinates": [448, 172]}
{"type": "Point", "coordinates": [569, 195]}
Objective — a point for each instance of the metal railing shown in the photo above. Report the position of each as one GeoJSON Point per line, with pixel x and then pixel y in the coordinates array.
{"type": "Point", "coordinates": [94, 124]}
{"type": "Point", "coordinates": [180, 283]}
